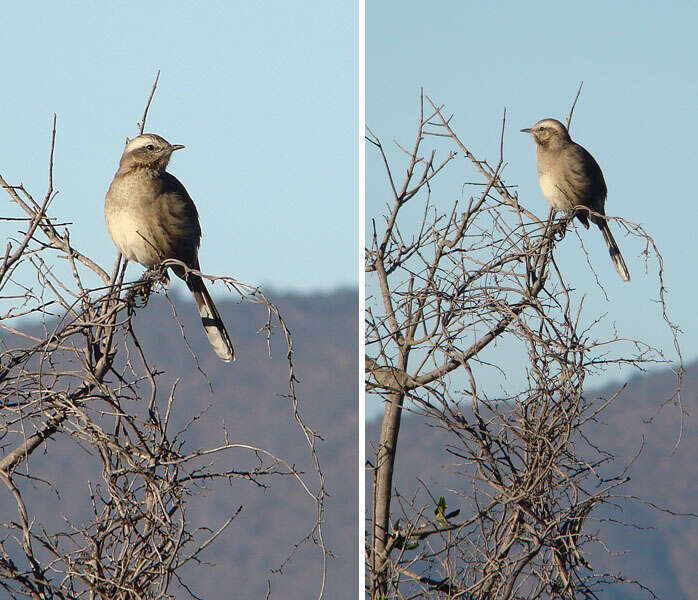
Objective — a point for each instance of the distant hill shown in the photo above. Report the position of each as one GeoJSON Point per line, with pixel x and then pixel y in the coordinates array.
{"type": "Point", "coordinates": [249, 399]}
{"type": "Point", "coordinates": [663, 557]}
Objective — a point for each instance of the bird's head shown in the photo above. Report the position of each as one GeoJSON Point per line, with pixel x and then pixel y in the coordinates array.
{"type": "Point", "coordinates": [549, 133]}
{"type": "Point", "coordinates": [148, 151]}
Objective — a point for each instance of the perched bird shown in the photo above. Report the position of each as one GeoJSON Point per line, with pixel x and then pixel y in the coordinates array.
{"type": "Point", "coordinates": [151, 217]}
{"type": "Point", "coordinates": [569, 177]}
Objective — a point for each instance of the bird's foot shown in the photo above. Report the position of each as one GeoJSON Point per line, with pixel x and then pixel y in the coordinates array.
{"type": "Point", "coordinates": [155, 275]}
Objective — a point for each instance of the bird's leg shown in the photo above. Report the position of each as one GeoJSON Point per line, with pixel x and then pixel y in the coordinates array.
{"type": "Point", "coordinates": [558, 229]}
{"type": "Point", "coordinates": [151, 277]}
{"type": "Point", "coordinates": [157, 274]}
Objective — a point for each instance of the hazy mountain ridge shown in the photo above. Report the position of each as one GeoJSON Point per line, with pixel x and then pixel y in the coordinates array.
{"type": "Point", "coordinates": [249, 399]}
{"type": "Point", "coordinates": [663, 557]}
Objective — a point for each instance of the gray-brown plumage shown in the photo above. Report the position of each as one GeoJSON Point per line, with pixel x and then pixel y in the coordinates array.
{"type": "Point", "coordinates": [569, 177]}
{"type": "Point", "coordinates": [151, 217]}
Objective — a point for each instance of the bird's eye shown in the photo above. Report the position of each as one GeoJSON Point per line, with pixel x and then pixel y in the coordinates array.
{"type": "Point", "coordinates": [150, 147]}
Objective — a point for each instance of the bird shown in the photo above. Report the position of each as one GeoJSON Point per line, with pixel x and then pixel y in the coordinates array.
{"type": "Point", "coordinates": [151, 217]}
{"type": "Point", "coordinates": [570, 177]}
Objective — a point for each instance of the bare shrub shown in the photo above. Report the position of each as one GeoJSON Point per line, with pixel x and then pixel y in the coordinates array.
{"type": "Point", "coordinates": [451, 295]}
{"type": "Point", "coordinates": [85, 381]}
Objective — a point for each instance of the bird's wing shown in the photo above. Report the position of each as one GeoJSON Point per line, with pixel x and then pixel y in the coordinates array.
{"type": "Point", "coordinates": [179, 220]}
{"type": "Point", "coordinates": [583, 178]}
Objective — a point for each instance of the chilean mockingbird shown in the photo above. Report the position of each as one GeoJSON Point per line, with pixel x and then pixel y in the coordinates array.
{"type": "Point", "coordinates": [569, 177]}
{"type": "Point", "coordinates": [151, 217]}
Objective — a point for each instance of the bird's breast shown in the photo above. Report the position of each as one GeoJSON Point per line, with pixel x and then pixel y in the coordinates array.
{"type": "Point", "coordinates": [553, 190]}
{"type": "Point", "coordinates": [130, 224]}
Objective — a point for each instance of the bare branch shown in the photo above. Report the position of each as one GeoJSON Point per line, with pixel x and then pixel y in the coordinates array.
{"type": "Point", "coordinates": [482, 275]}
{"type": "Point", "coordinates": [81, 376]}
{"type": "Point", "coordinates": [141, 123]}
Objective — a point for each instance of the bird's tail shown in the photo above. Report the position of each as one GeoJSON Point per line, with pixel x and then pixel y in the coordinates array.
{"type": "Point", "coordinates": [614, 251]}
{"type": "Point", "coordinates": [211, 319]}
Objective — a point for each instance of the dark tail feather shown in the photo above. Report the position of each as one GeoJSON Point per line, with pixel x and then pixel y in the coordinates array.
{"type": "Point", "coordinates": [613, 250]}
{"type": "Point", "coordinates": [211, 319]}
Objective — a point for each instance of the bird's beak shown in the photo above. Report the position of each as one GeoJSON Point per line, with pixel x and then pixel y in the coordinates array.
{"type": "Point", "coordinates": [525, 131]}
{"type": "Point", "coordinates": [174, 147]}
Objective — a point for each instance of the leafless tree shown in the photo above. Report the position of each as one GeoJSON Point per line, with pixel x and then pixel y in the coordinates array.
{"type": "Point", "coordinates": [86, 381]}
{"type": "Point", "coordinates": [445, 290]}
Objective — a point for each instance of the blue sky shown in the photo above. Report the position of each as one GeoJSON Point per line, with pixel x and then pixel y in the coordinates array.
{"type": "Point", "coordinates": [636, 114]}
{"type": "Point", "coordinates": [263, 95]}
